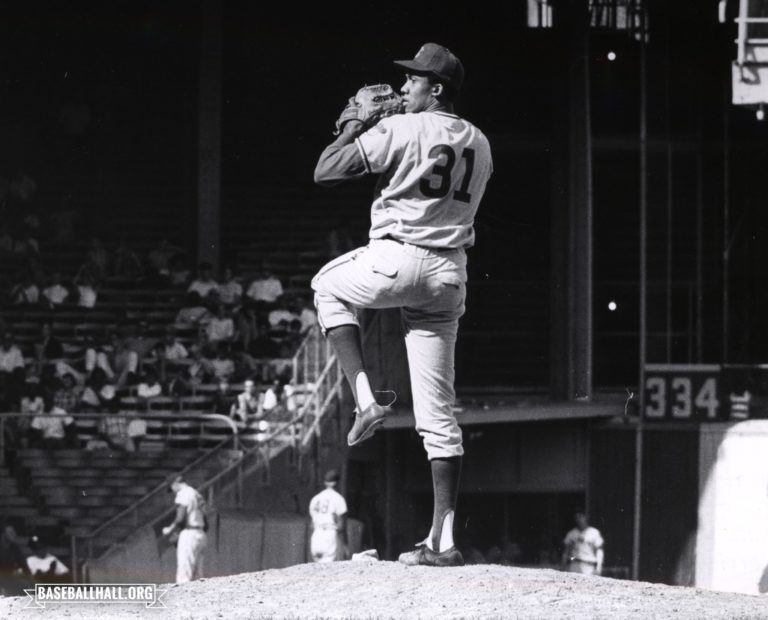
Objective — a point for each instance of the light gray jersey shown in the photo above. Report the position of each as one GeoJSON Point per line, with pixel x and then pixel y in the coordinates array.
{"type": "Point", "coordinates": [434, 167]}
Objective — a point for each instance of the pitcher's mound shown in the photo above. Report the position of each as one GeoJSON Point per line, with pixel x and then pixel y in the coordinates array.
{"type": "Point", "coordinates": [390, 590]}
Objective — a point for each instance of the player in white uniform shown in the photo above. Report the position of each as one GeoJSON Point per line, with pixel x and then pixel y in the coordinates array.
{"type": "Point", "coordinates": [191, 524]}
{"type": "Point", "coordinates": [329, 522]}
{"type": "Point", "coordinates": [583, 548]}
{"type": "Point", "coordinates": [433, 168]}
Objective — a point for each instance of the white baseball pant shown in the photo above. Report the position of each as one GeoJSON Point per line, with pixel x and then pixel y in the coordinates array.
{"type": "Point", "coordinates": [326, 545]}
{"type": "Point", "coordinates": [189, 555]}
{"type": "Point", "coordinates": [429, 287]}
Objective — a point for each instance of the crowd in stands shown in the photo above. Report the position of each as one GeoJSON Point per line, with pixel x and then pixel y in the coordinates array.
{"type": "Point", "coordinates": [226, 332]}
{"type": "Point", "coordinates": [25, 560]}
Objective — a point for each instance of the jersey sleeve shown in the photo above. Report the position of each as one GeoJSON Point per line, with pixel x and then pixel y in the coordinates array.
{"type": "Point", "coordinates": [383, 143]}
{"type": "Point", "coordinates": [597, 540]}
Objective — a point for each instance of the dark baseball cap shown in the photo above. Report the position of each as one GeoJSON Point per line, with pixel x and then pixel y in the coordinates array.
{"type": "Point", "coordinates": [332, 475]}
{"type": "Point", "coordinates": [439, 61]}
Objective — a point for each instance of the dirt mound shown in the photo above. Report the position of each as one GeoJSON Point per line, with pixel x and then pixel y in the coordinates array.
{"type": "Point", "coordinates": [390, 590]}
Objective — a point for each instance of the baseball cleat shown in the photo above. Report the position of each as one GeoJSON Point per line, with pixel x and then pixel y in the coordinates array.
{"type": "Point", "coordinates": [366, 424]}
{"type": "Point", "coordinates": [424, 556]}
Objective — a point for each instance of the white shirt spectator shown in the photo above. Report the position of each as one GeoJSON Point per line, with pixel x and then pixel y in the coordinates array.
{"type": "Point", "coordinates": [230, 292]}
{"type": "Point", "coordinates": [220, 329]}
{"type": "Point", "coordinates": [32, 405]}
{"type": "Point", "coordinates": [36, 563]}
{"type": "Point", "coordinates": [175, 351]}
{"type": "Point", "coordinates": [281, 315]}
{"type": "Point", "coordinates": [192, 315]}
{"type": "Point", "coordinates": [223, 368]}
{"type": "Point", "coordinates": [146, 390]}
{"type": "Point", "coordinates": [11, 359]}
{"type": "Point", "coordinates": [267, 289]}
{"type": "Point", "coordinates": [203, 287]}
{"type": "Point", "coordinates": [86, 296]}
{"type": "Point", "coordinates": [53, 427]}
{"type": "Point", "coordinates": [26, 295]}
{"type": "Point", "coordinates": [56, 294]}
{"type": "Point", "coordinates": [308, 318]}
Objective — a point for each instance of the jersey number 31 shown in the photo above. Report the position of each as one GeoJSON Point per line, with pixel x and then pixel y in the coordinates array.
{"type": "Point", "coordinates": [441, 174]}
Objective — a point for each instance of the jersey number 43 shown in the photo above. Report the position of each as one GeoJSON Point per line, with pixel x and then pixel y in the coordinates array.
{"type": "Point", "coordinates": [438, 183]}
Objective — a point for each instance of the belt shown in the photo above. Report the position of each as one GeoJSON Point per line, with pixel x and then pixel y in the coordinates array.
{"type": "Point", "coordinates": [583, 561]}
{"type": "Point", "coordinates": [391, 238]}
{"type": "Point", "coordinates": [194, 527]}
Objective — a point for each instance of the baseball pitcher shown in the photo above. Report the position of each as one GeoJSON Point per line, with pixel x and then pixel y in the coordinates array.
{"type": "Point", "coordinates": [432, 167]}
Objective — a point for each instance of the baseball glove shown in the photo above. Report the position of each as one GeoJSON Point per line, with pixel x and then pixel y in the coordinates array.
{"type": "Point", "coordinates": [370, 105]}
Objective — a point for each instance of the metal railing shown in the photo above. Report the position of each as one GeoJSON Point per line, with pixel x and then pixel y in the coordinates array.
{"type": "Point", "coordinates": [316, 370]}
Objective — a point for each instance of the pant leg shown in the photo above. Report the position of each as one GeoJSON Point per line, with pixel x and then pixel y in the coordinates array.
{"type": "Point", "coordinates": [185, 557]}
{"type": "Point", "coordinates": [375, 276]}
{"type": "Point", "coordinates": [431, 327]}
{"type": "Point", "coordinates": [430, 344]}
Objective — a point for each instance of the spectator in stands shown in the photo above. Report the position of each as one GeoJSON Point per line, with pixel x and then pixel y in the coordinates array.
{"type": "Point", "coordinates": [246, 320]}
{"type": "Point", "coordinates": [204, 285]}
{"type": "Point", "coordinates": [26, 293]}
{"type": "Point", "coordinates": [86, 291]}
{"type": "Point", "coordinates": [223, 364]}
{"type": "Point", "coordinates": [43, 566]}
{"type": "Point", "coordinates": [140, 341]}
{"type": "Point", "coordinates": [265, 289]}
{"type": "Point", "coordinates": [281, 316]}
{"type": "Point", "coordinates": [193, 314]}
{"type": "Point", "coordinates": [11, 371]}
{"type": "Point", "coordinates": [230, 289]}
{"type": "Point", "coordinates": [126, 262]}
{"type": "Point", "coordinates": [247, 402]}
{"type": "Point", "coordinates": [224, 400]}
{"type": "Point", "coordinates": [159, 259]}
{"type": "Point", "coordinates": [99, 395]}
{"type": "Point", "coordinates": [307, 316]}
{"type": "Point", "coordinates": [49, 347]}
{"type": "Point", "coordinates": [53, 429]}
{"type": "Point", "coordinates": [67, 397]}
{"type": "Point", "coordinates": [96, 266]}
{"type": "Point", "coordinates": [149, 386]}
{"type": "Point", "coordinates": [123, 363]}
{"type": "Point", "coordinates": [173, 349]}
{"type": "Point", "coordinates": [178, 273]}
{"type": "Point", "coordinates": [273, 401]}
{"type": "Point", "coordinates": [31, 404]}
{"type": "Point", "coordinates": [199, 372]}
{"type": "Point", "coordinates": [55, 294]}
{"type": "Point", "coordinates": [14, 575]}
{"type": "Point", "coordinates": [114, 428]}
{"type": "Point", "coordinates": [221, 327]}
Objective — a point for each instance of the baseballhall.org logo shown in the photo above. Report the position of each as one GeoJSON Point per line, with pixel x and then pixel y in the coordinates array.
{"type": "Point", "coordinates": [148, 595]}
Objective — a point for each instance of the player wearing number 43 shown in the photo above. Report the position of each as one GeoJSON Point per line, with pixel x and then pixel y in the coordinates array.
{"type": "Point", "coordinates": [433, 167]}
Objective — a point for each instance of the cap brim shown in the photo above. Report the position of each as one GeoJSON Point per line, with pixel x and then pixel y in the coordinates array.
{"type": "Point", "coordinates": [413, 66]}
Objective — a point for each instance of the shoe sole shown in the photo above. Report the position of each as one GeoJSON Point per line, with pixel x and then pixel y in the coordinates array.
{"type": "Point", "coordinates": [366, 433]}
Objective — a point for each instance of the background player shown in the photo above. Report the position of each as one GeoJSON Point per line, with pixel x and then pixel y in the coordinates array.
{"type": "Point", "coordinates": [433, 169]}
{"type": "Point", "coordinates": [329, 522]}
{"type": "Point", "coordinates": [191, 523]}
{"type": "Point", "coordinates": [583, 552]}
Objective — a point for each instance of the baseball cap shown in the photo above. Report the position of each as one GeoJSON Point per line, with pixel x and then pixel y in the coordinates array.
{"type": "Point", "coordinates": [439, 61]}
{"type": "Point", "coordinates": [332, 475]}
{"type": "Point", "coordinates": [171, 478]}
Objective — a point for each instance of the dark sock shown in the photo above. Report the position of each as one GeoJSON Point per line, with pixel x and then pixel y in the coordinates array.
{"type": "Point", "coordinates": [446, 473]}
{"type": "Point", "coordinates": [345, 340]}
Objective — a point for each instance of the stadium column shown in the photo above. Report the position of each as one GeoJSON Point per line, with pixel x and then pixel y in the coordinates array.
{"type": "Point", "coordinates": [571, 280]}
{"type": "Point", "coordinates": [209, 134]}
